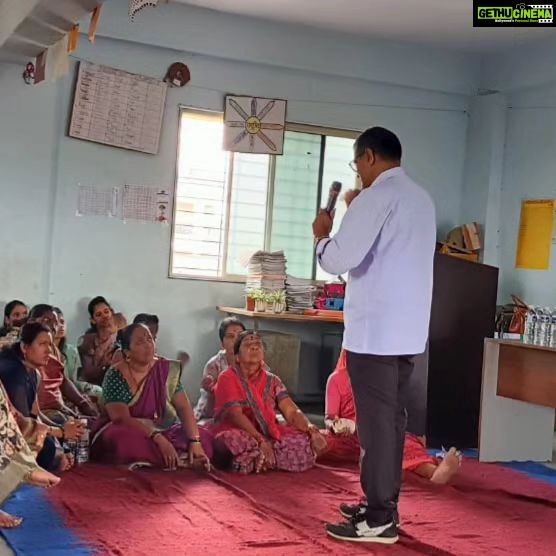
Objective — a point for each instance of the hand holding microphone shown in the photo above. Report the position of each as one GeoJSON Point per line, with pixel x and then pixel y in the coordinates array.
{"type": "Point", "coordinates": [322, 225]}
{"type": "Point", "coordinates": [333, 194]}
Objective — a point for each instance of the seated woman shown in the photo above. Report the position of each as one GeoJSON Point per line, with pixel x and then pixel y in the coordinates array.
{"type": "Point", "coordinates": [150, 321]}
{"type": "Point", "coordinates": [228, 331]}
{"type": "Point", "coordinates": [98, 345]}
{"type": "Point", "coordinates": [55, 388]}
{"type": "Point", "coordinates": [343, 444]}
{"type": "Point", "coordinates": [246, 399]}
{"type": "Point", "coordinates": [15, 315]}
{"type": "Point", "coordinates": [148, 415]}
{"type": "Point", "coordinates": [20, 377]}
{"type": "Point", "coordinates": [70, 359]}
{"type": "Point", "coordinates": [17, 462]}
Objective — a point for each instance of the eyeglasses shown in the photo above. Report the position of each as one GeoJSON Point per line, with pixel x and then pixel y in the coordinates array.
{"type": "Point", "coordinates": [353, 164]}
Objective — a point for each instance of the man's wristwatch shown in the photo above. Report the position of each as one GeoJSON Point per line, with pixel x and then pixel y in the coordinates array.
{"type": "Point", "coordinates": [317, 239]}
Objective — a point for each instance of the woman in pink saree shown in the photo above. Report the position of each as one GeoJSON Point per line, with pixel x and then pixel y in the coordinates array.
{"type": "Point", "coordinates": [148, 416]}
{"type": "Point", "coordinates": [247, 397]}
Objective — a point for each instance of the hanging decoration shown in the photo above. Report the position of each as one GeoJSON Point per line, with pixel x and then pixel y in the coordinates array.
{"type": "Point", "coordinates": [73, 39]}
{"type": "Point", "coordinates": [254, 125]}
{"type": "Point", "coordinates": [29, 74]}
{"type": "Point", "coordinates": [137, 5]}
{"type": "Point", "coordinates": [177, 75]}
{"type": "Point", "coordinates": [93, 25]}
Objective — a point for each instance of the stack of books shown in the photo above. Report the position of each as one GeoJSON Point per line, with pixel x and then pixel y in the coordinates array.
{"type": "Point", "coordinates": [300, 294]}
{"type": "Point", "coordinates": [266, 271]}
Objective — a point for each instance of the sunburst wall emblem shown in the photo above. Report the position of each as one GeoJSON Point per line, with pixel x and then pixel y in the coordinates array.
{"type": "Point", "coordinates": [254, 125]}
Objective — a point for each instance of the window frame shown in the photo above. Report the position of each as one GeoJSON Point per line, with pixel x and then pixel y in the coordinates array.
{"type": "Point", "coordinates": [290, 126]}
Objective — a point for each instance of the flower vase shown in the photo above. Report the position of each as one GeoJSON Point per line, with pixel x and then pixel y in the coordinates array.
{"type": "Point", "coordinates": [249, 303]}
{"type": "Point", "coordinates": [260, 305]}
{"type": "Point", "coordinates": [278, 307]}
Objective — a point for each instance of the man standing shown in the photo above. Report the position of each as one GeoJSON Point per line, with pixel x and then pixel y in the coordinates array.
{"type": "Point", "coordinates": [386, 242]}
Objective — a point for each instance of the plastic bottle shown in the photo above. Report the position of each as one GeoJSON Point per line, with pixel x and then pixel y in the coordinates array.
{"type": "Point", "coordinates": [540, 328]}
{"type": "Point", "coordinates": [552, 342]}
{"type": "Point", "coordinates": [548, 326]}
{"type": "Point", "coordinates": [70, 447]}
{"type": "Point", "coordinates": [530, 323]}
{"type": "Point", "coordinates": [82, 448]}
{"type": "Point", "coordinates": [543, 325]}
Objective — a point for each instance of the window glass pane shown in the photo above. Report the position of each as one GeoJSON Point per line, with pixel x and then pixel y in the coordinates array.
{"type": "Point", "coordinates": [200, 197]}
{"type": "Point", "coordinates": [246, 229]}
{"type": "Point", "coordinates": [337, 154]}
{"type": "Point", "coordinates": [295, 200]}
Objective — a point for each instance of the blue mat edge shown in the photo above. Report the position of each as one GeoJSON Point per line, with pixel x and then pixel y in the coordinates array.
{"type": "Point", "coordinates": [43, 531]}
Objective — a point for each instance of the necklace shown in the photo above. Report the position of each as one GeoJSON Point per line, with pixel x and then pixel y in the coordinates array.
{"type": "Point", "coordinates": [137, 383]}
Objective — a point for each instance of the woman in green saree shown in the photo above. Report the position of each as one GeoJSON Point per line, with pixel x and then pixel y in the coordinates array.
{"type": "Point", "coordinates": [148, 417]}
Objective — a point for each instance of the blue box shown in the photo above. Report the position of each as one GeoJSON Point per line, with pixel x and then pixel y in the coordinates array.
{"type": "Point", "coordinates": [335, 303]}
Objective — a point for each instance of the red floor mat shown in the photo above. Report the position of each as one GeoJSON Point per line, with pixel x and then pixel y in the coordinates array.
{"type": "Point", "coordinates": [488, 510]}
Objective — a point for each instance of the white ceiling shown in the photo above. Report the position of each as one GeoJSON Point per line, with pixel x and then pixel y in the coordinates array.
{"type": "Point", "coordinates": [441, 23]}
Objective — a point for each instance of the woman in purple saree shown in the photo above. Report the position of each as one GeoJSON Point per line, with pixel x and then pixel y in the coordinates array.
{"type": "Point", "coordinates": [148, 417]}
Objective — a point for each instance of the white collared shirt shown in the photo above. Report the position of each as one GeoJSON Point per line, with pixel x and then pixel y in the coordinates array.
{"type": "Point", "coordinates": [386, 242]}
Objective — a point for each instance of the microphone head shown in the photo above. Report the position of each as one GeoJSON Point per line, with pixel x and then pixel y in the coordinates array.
{"type": "Point", "coordinates": [336, 186]}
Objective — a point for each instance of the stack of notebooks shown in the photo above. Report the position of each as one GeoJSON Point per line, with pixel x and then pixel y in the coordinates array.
{"type": "Point", "coordinates": [300, 294]}
{"type": "Point", "coordinates": [266, 271]}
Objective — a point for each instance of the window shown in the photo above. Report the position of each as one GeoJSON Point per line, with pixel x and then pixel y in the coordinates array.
{"type": "Point", "coordinates": [228, 205]}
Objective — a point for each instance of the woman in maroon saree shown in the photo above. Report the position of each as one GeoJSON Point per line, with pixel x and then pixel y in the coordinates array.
{"type": "Point", "coordinates": [148, 416]}
{"type": "Point", "coordinates": [246, 400]}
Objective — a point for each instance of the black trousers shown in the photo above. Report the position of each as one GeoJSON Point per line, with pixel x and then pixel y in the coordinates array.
{"type": "Point", "coordinates": [380, 387]}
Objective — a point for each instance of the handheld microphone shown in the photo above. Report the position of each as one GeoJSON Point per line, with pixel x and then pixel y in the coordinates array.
{"type": "Point", "coordinates": [333, 194]}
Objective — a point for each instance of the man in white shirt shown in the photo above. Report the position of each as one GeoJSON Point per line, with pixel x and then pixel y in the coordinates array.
{"type": "Point", "coordinates": [386, 242]}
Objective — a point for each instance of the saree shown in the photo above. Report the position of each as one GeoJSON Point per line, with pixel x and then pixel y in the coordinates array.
{"type": "Point", "coordinates": [258, 399]}
{"type": "Point", "coordinates": [17, 460]}
{"type": "Point", "coordinates": [346, 449]}
{"type": "Point", "coordinates": [339, 404]}
{"type": "Point", "coordinates": [121, 444]}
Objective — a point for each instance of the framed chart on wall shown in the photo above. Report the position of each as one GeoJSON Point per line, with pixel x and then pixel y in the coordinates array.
{"type": "Point", "coordinates": [118, 108]}
{"type": "Point", "coordinates": [254, 125]}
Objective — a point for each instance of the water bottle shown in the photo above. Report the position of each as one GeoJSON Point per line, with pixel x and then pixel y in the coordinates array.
{"type": "Point", "coordinates": [530, 323]}
{"type": "Point", "coordinates": [70, 447]}
{"type": "Point", "coordinates": [543, 324]}
{"type": "Point", "coordinates": [82, 448]}
{"type": "Point", "coordinates": [552, 342]}
{"type": "Point", "coordinates": [548, 326]}
{"type": "Point", "coordinates": [540, 328]}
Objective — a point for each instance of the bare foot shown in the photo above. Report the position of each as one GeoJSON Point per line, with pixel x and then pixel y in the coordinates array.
{"type": "Point", "coordinates": [42, 478]}
{"type": "Point", "coordinates": [447, 468]}
{"type": "Point", "coordinates": [66, 462]}
{"type": "Point", "coordinates": [8, 521]}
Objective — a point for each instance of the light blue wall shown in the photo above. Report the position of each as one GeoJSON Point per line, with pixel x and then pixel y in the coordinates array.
{"type": "Point", "coordinates": [28, 143]}
{"type": "Point", "coordinates": [511, 156]}
{"type": "Point", "coordinates": [420, 94]}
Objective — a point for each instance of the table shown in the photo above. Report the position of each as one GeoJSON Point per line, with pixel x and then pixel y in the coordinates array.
{"type": "Point", "coordinates": [287, 317]}
{"type": "Point", "coordinates": [518, 399]}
